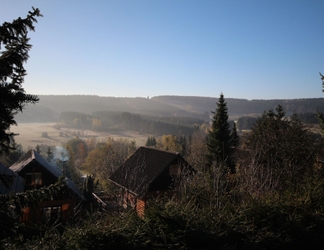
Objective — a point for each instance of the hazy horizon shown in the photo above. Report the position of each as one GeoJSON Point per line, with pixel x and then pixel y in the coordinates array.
{"type": "Point", "coordinates": [243, 49]}
{"type": "Point", "coordinates": [150, 97]}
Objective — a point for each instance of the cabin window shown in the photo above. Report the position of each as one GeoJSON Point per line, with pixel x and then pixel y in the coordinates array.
{"type": "Point", "coordinates": [37, 178]}
{"type": "Point", "coordinates": [34, 179]}
{"type": "Point", "coordinates": [29, 179]}
{"type": "Point", "coordinates": [174, 170]}
{"type": "Point", "coordinates": [51, 214]}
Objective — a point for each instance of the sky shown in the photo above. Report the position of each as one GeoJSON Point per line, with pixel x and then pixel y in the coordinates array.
{"type": "Point", "coordinates": [250, 49]}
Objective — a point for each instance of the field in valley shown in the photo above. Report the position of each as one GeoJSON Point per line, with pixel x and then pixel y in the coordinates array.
{"type": "Point", "coordinates": [33, 134]}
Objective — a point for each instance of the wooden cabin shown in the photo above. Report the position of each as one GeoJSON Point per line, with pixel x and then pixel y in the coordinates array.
{"type": "Point", "coordinates": [147, 173]}
{"type": "Point", "coordinates": [38, 172]}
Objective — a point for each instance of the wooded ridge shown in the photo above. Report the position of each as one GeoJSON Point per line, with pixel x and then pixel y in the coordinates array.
{"type": "Point", "coordinates": [50, 107]}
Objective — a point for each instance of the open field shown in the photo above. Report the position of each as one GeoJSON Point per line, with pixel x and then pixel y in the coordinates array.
{"type": "Point", "coordinates": [33, 134]}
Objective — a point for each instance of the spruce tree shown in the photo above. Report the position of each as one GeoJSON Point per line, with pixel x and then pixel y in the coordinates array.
{"type": "Point", "coordinates": [320, 115]}
{"type": "Point", "coordinates": [234, 136]}
{"type": "Point", "coordinates": [49, 154]}
{"type": "Point", "coordinates": [151, 141]}
{"type": "Point", "coordinates": [219, 138]}
{"type": "Point", "coordinates": [15, 44]}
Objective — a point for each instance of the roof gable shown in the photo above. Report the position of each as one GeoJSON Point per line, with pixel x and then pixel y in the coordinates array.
{"type": "Point", "coordinates": [143, 167]}
{"type": "Point", "coordinates": [32, 155]}
{"type": "Point", "coordinates": [29, 157]}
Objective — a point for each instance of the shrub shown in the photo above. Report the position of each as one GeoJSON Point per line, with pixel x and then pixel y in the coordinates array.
{"type": "Point", "coordinates": [44, 134]}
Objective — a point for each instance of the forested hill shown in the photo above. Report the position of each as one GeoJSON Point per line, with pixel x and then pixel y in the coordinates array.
{"type": "Point", "coordinates": [240, 107]}
{"type": "Point", "coordinates": [50, 107]}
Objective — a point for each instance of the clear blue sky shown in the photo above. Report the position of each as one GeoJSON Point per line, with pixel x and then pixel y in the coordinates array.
{"type": "Point", "coordinates": [252, 49]}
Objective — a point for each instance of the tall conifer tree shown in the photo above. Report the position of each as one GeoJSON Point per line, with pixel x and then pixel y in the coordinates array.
{"type": "Point", "coordinates": [320, 115]}
{"type": "Point", "coordinates": [15, 44]}
{"type": "Point", "coordinates": [219, 138]}
{"type": "Point", "coordinates": [234, 136]}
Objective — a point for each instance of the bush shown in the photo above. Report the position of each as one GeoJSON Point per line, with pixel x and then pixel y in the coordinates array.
{"type": "Point", "coordinates": [44, 134]}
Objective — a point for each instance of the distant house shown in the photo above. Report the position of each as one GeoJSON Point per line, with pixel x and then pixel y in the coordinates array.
{"type": "Point", "coordinates": [149, 172]}
{"type": "Point", "coordinates": [14, 182]}
{"type": "Point", "coordinates": [37, 173]}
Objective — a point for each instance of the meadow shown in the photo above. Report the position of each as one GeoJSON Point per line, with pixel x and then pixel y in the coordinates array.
{"type": "Point", "coordinates": [32, 134]}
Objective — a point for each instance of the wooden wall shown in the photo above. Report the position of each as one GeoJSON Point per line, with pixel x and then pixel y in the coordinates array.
{"type": "Point", "coordinates": [34, 215]}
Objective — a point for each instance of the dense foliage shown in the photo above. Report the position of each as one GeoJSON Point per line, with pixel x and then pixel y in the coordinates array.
{"type": "Point", "coordinates": [12, 154]}
{"type": "Point", "coordinates": [14, 48]}
{"type": "Point", "coordinates": [151, 141]}
{"type": "Point", "coordinates": [11, 207]}
{"type": "Point", "coordinates": [200, 220]}
{"type": "Point", "coordinates": [281, 151]}
{"type": "Point", "coordinates": [106, 157]}
{"type": "Point", "coordinates": [14, 39]}
{"type": "Point", "coordinates": [245, 122]}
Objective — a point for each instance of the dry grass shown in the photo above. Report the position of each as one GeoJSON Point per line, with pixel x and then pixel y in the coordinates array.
{"type": "Point", "coordinates": [31, 135]}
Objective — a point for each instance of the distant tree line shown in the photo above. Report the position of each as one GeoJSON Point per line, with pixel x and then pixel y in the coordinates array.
{"type": "Point", "coordinates": [107, 120]}
{"type": "Point", "coordinates": [308, 118]}
{"type": "Point", "coordinates": [239, 107]}
{"type": "Point", "coordinates": [247, 122]}
{"type": "Point", "coordinates": [50, 107]}
{"type": "Point", "coordinates": [76, 120]}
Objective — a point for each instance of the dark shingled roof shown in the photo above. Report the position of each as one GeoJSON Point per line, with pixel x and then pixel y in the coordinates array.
{"type": "Point", "coordinates": [17, 184]}
{"type": "Point", "coordinates": [143, 167]}
{"type": "Point", "coordinates": [32, 155]}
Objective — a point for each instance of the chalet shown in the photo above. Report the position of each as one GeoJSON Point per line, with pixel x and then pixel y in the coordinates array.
{"type": "Point", "coordinates": [14, 183]}
{"type": "Point", "coordinates": [149, 172]}
{"type": "Point", "coordinates": [37, 173]}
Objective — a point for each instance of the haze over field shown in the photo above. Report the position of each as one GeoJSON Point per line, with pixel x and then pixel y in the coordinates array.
{"type": "Point", "coordinates": [245, 49]}
{"type": "Point", "coordinates": [137, 118]}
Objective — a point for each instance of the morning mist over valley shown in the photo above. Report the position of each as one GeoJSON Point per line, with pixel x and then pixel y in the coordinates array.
{"type": "Point", "coordinates": [76, 112]}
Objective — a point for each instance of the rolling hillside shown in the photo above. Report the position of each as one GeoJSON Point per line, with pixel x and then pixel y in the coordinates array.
{"type": "Point", "coordinates": [50, 107]}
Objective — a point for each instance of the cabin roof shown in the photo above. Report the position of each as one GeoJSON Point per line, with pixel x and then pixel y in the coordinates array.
{"type": "Point", "coordinates": [32, 155]}
{"type": "Point", "coordinates": [16, 186]}
{"type": "Point", "coordinates": [143, 167]}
